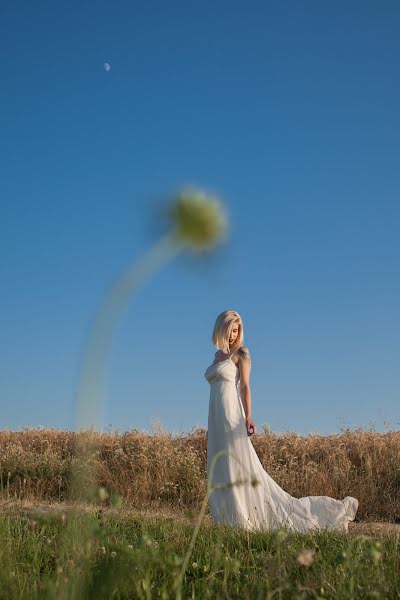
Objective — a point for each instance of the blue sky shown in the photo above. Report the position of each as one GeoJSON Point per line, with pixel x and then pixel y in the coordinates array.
{"type": "Point", "coordinates": [289, 113]}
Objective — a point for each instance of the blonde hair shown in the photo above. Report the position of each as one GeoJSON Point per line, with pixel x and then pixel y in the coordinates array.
{"type": "Point", "coordinates": [222, 329]}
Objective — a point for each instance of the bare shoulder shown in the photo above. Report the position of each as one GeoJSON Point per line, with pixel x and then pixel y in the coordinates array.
{"type": "Point", "coordinates": [244, 365]}
{"type": "Point", "coordinates": [244, 353]}
{"type": "Point", "coordinates": [242, 356]}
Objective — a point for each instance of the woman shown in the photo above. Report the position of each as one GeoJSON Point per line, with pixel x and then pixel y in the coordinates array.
{"type": "Point", "coordinates": [241, 491]}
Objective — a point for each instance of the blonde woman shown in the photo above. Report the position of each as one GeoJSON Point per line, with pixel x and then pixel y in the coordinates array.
{"type": "Point", "coordinates": [242, 492]}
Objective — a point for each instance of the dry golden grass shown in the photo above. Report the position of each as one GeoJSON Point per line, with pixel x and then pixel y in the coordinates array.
{"type": "Point", "coordinates": [163, 470]}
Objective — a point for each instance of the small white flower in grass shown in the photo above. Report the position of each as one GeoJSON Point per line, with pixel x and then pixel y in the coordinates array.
{"type": "Point", "coordinates": [306, 557]}
{"type": "Point", "coordinates": [194, 565]}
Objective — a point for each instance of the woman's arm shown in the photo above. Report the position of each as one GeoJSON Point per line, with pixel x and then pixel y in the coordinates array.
{"type": "Point", "coordinates": [245, 369]}
{"type": "Point", "coordinates": [245, 394]}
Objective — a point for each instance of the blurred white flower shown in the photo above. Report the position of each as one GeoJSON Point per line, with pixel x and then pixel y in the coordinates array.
{"type": "Point", "coordinates": [306, 557]}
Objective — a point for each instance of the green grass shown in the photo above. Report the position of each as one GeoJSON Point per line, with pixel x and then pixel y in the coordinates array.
{"type": "Point", "coordinates": [97, 555]}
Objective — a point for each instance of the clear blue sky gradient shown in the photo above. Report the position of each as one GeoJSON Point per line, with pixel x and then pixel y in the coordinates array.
{"type": "Point", "coordinates": [289, 112]}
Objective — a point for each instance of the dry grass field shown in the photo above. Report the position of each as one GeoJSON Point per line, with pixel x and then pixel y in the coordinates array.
{"type": "Point", "coordinates": [160, 470]}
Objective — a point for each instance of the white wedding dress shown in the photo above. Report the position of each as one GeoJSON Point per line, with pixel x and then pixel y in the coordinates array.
{"type": "Point", "coordinates": [264, 505]}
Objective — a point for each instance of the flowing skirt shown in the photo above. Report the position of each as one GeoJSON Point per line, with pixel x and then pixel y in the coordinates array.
{"type": "Point", "coordinates": [241, 491]}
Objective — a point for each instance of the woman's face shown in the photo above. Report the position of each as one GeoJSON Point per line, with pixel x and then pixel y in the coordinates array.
{"type": "Point", "coordinates": [233, 333]}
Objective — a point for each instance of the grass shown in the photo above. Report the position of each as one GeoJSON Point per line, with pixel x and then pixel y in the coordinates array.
{"type": "Point", "coordinates": [140, 535]}
{"type": "Point", "coordinates": [140, 556]}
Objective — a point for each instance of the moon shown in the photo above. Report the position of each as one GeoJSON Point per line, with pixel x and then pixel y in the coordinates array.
{"type": "Point", "coordinates": [107, 66]}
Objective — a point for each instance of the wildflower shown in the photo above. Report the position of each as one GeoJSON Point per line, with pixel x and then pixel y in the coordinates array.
{"type": "Point", "coordinates": [198, 219]}
{"type": "Point", "coordinates": [113, 553]}
{"type": "Point", "coordinates": [375, 555]}
{"type": "Point", "coordinates": [235, 565]}
{"type": "Point", "coordinates": [281, 535]}
{"type": "Point", "coordinates": [103, 494]}
{"type": "Point", "coordinates": [147, 539]}
{"type": "Point", "coordinates": [194, 565]}
{"type": "Point", "coordinates": [306, 557]}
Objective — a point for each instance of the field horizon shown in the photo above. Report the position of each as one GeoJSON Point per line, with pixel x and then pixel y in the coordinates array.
{"type": "Point", "coordinates": [165, 470]}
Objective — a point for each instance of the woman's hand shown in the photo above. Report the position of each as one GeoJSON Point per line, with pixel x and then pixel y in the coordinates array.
{"type": "Point", "coordinates": [250, 426]}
